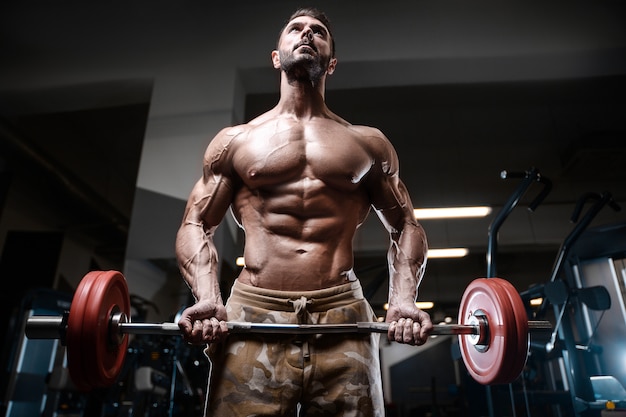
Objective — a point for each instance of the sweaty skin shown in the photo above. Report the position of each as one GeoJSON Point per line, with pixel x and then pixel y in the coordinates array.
{"type": "Point", "coordinates": [300, 180]}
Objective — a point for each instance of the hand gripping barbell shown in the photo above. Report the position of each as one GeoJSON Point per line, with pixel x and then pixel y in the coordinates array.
{"type": "Point", "coordinates": [493, 330]}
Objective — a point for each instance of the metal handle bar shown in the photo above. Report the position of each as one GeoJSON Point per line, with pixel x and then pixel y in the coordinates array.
{"type": "Point", "coordinates": [51, 327]}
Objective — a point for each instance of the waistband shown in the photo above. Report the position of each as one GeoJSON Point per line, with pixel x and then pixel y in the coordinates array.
{"type": "Point", "coordinates": [317, 300]}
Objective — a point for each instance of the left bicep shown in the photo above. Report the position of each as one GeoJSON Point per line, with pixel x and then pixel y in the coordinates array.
{"type": "Point", "coordinates": [392, 203]}
{"type": "Point", "coordinates": [388, 194]}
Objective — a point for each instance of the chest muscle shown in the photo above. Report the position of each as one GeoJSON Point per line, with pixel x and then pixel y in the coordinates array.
{"type": "Point", "coordinates": [290, 152]}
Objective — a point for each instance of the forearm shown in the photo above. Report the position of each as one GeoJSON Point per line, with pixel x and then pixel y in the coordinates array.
{"type": "Point", "coordinates": [198, 261]}
{"type": "Point", "coordinates": [407, 262]}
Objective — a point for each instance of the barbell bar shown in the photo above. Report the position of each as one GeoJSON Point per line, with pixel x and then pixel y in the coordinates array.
{"type": "Point", "coordinates": [52, 327]}
{"type": "Point", "coordinates": [493, 330]}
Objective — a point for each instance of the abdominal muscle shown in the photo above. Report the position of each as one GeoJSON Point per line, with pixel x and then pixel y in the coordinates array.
{"type": "Point", "coordinates": [299, 243]}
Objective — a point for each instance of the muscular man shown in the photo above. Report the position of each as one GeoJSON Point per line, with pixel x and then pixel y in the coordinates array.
{"type": "Point", "coordinates": [299, 180]}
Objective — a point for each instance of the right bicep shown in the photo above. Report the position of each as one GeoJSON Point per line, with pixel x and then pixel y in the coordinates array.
{"type": "Point", "coordinates": [209, 200]}
{"type": "Point", "coordinates": [213, 193]}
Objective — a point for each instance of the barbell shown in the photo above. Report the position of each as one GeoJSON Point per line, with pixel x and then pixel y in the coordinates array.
{"type": "Point", "coordinates": [493, 330]}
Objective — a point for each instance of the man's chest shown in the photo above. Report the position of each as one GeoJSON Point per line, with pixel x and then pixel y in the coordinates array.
{"type": "Point", "coordinates": [290, 152]}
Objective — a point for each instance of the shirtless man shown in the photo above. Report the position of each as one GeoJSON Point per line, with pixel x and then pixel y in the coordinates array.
{"type": "Point", "coordinates": [299, 180]}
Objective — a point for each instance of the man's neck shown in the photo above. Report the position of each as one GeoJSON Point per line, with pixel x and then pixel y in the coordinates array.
{"type": "Point", "coordinates": [301, 97]}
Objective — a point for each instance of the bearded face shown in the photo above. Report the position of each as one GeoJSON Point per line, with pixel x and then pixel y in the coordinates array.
{"type": "Point", "coordinates": [303, 63]}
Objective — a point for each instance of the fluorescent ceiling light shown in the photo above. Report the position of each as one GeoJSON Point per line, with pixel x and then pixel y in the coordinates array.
{"type": "Point", "coordinates": [447, 253]}
{"type": "Point", "coordinates": [451, 212]}
{"type": "Point", "coordinates": [432, 253]}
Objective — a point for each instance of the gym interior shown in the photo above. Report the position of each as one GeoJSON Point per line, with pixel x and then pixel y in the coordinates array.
{"type": "Point", "coordinates": [105, 112]}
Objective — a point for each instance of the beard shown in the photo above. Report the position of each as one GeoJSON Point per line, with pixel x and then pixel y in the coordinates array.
{"type": "Point", "coordinates": [304, 67]}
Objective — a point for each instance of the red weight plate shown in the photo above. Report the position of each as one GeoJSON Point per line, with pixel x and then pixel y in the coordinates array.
{"type": "Point", "coordinates": [521, 344]}
{"type": "Point", "coordinates": [510, 368]}
{"type": "Point", "coordinates": [489, 365]}
{"type": "Point", "coordinates": [104, 358]}
{"type": "Point", "coordinates": [74, 333]}
{"type": "Point", "coordinates": [93, 360]}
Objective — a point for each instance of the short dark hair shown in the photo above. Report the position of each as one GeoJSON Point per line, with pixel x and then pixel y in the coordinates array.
{"type": "Point", "coordinates": [316, 14]}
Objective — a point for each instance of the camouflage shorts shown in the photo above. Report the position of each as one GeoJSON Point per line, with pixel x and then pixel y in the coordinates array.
{"type": "Point", "coordinates": [289, 375]}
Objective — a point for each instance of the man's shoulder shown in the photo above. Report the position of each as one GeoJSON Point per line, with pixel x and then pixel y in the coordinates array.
{"type": "Point", "coordinates": [229, 136]}
{"type": "Point", "coordinates": [376, 143]}
{"type": "Point", "coordinates": [371, 137]}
